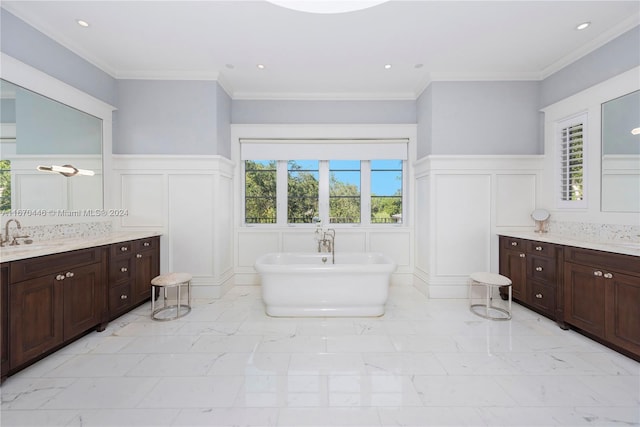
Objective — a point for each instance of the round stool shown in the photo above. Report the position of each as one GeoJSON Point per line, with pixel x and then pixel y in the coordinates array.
{"type": "Point", "coordinates": [171, 280]}
{"type": "Point", "coordinates": [490, 281]}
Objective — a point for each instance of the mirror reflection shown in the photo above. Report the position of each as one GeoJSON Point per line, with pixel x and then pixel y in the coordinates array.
{"type": "Point", "coordinates": [36, 131]}
{"type": "Point", "coordinates": [621, 154]}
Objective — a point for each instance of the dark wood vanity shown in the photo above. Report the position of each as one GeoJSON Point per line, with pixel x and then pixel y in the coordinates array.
{"type": "Point", "coordinates": [48, 301]}
{"type": "Point", "coordinates": [592, 291]}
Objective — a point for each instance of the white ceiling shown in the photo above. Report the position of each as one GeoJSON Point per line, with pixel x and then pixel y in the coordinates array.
{"type": "Point", "coordinates": [322, 56]}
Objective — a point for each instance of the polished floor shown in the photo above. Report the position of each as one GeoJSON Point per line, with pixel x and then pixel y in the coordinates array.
{"type": "Point", "coordinates": [424, 363]}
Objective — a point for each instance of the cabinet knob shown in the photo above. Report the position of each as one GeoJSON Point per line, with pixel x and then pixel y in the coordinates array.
{"type": "Point", "coordinates": [123, 296]}
{"type": "Point", "coordinates": [539, 248]}
{"type": "Point", "coordinates": [608, 276]}
{"type": "Point", "coordinates": [70, 274]}
{"type": "Point", "coordinates": [146, 244]}
{"type": "Point", "coordinates": [539, 296]}
{"type": "Point", "coordinates": [124, 269]}
{"type": "Point", "coordinates": [514, 243]}
{"type": "Point", "coordinates": [597, 273]}
{"type": "Point", "coordinates": [522, 255]}
{"type": "Point", "coordinates": [60, 277]}
{"type": "Point", "coordinates": [138, 255]}
{"type": "Point", "coordinates": [124, 248]}
{"type": "Point", "coordinates": [538, 268]}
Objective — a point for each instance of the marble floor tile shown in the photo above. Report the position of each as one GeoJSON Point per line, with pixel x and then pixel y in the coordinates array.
{"type": "Point", "coordinates": [423, 363]}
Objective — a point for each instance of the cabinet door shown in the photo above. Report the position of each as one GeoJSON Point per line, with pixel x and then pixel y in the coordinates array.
{"type": "Point", "coordinates": [584, 298]}
{"type": "Point", "coordinates": [4, 320]}
{"type": "Point", "coordinates": [83, 296]}
{"type": "Point", "coordinates": [513, 265]}
{"type": "Point", "coordinates": [147, 266]}
{"type": "Point", "coordinates": [622, 310]}
{"type": "Point", "coordinates": [35, 312]}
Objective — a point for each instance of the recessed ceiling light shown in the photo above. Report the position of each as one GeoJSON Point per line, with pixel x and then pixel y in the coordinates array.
{"type": "Point", "coordinates": [635, 131]}
{"type": "Point", "coordinates": [418, 66]}
{"type": "Point", "coordinates": [387, 66]}
{"type": "Point", "coordinates": [82, 23]}
{"type": "Point", "coordinates": [583, 25]}
{"type": "Point", "coordinates": [229, 66]}
{"type": "Point", "coordinates": [260, 66]}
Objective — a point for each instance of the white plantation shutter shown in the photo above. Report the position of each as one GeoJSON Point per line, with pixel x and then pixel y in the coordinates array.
{"type": "Point", "coordinates": [572, 165]}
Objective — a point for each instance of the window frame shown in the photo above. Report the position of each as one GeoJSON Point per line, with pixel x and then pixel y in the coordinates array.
{"type": "Point", "coordinates": [581, 119]}
{"type": "Point", "coordinates": [282, 175]}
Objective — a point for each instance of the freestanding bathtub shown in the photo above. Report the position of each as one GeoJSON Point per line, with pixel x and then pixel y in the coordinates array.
{"type": "Point", "coordinates": [309, 285]}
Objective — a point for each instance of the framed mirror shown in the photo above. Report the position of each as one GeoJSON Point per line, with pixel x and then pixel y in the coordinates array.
{"type": "Point", "coordinates": [38, 131]}
{"type": "Point", "coordinates": [620, 189]}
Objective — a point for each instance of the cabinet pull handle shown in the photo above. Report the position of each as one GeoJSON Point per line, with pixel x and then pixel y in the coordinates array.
{"type": "Point", "coordinates": [522, 255]}
{"type": "Point", "coordinates": [539, 296]}
{"type": "Point", "coordinates": [514, 243]}
{"type": "Point", "coordinates": [123, 269]}
{"type": "Point", "coordinates": [138, 255]}
{"type": "Point", "coordinates": [538, 268]}
{"type": "Point", "coordinates": [608, 276]}
{"type": "Point", "coordinates": [70, 274]}
{"type": "Point", "coordinates": [60, 277]}
{"type": "Point", "coordinates": [146, 244]}
{"type": "Point", "coordinates": [124, 248]}
{"type": "Point", "coordinates": [539, 248]}
{"type": "Point", "coordinates": [597, 273]}
{"type": "Point", "coordinates": [123, 296]}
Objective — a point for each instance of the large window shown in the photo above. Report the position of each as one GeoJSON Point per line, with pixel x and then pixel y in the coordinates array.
{"type": "Point", "coordinates": [295, 182]}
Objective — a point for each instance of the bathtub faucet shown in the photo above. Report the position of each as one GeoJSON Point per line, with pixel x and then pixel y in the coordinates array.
{"type": "Point", "coordinates": [326, 242]}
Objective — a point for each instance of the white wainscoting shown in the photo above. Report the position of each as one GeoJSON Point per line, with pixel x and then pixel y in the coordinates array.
{"type": "Point", "coordinates": [463, 203]}
{"type": "Point", "coordinates": [189, 200]}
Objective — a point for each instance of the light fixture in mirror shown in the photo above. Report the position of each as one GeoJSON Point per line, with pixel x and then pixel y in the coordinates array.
{"type": "Point", "coordinates": [65, 170]}
{"type": "Point", "coordinates": [35, 131]}
{"type": "Point", "coordinates": [620, 185]}
{"type": "Point", "coordinates": [540, 216]}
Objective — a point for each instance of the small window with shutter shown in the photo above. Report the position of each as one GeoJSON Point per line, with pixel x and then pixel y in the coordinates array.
{"type": "Point", "coordinates": [571, 162]}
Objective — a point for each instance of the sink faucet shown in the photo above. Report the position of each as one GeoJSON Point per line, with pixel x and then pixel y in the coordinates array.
{"type": "Point", "coordinates": [14, 238]}
{"type": "Point", "coordinates": [326, 242]}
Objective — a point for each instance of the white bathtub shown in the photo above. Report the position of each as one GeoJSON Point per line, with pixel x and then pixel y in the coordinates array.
{"type": "Point", "coordinates": [308, 284]}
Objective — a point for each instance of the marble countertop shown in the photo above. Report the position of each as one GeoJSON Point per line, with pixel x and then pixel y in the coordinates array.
{"type": "Point", "coordinates": [619, 247]}
{"type": "Point", "coordinates": [55, 246]}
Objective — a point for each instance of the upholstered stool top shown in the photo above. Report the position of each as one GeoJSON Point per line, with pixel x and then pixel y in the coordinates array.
{"type": "Point", "coordinates": [171, 279]}
{"type": "Point", "coordinates": [493, 279]}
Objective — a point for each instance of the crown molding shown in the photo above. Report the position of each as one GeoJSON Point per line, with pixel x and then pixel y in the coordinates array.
{"type": "Point", "coordinates": [609, 35]}
{"type": "Point", "coordinates": [322, 96]}
{"type": "Point", "coordinates": [168, 75]}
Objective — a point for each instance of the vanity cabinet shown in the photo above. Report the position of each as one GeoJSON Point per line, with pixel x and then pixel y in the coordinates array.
{"type": "Point", "coordinates": [533, 269]}
{"type": "Point", "coordinates": [53, 299]}
{"type": "Point", "coordinates": [132, 265]}
{"type": "Point", "coordinates": [4, 320]}
{"type": "Point", "coordinates": [602, 296]}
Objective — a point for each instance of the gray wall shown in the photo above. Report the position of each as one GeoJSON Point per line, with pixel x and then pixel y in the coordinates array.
{"type": "Point", "coordinates": [223, 120]}
{"type": "Point", "coordinates": [25, 43]}
{"type": "Point", "coordinates": [479, 118]}
{"type": "Point", "coordinates": [320, 112]}
{"type": "Point", "coordinates": [166, 117]}
{"type": "Point", "coordinates": [611, 59]}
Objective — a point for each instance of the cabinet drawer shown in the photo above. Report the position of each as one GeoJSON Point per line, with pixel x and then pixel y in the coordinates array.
{"type": "Point", "coordinates": [541, 269]}
{"type": "Point", "coordinates": [146, 244]}
{"type": "Point", "coordinates": [541, 249]}
{"type": "Point", "coordinates": [543, 297]}
{"type": "Point", "coordinates": [122, 249]}
{"type": "Point", "coordinates": [52, 264]}
{"type": "Point", "coordinates": [120, 269]}
{"type": "Point", "coordinates": [119, 297]}
{"type": "Point", "coordinates": [603, 260]}
{"type": "Point", "coordinates": [513, 243]}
